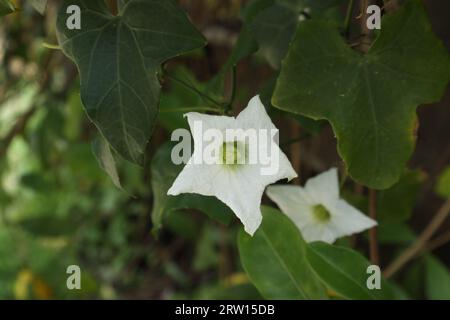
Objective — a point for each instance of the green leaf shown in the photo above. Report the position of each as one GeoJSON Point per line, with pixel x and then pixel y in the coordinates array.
{"type": "Point", "coordinates": [344, 271]}
{"type": "Point", "coordinates": [397, 202]}
{"type": "Point", "coordinates": [39, 5]}
{"type": "Point", "coordinates": [274, 259]}
{"type": "Point", "coordinates": [6, 7]}
{"type": "Point", "coordinates": [269, 25]}
{"type": "Point", "coordinates": [437, 279]}
{"type": "Point", "coordinates": [118, 58]}
{"type": "Point", "coordinates": [443, 184]}
{"type": "Point", "coordinates": [273, 26]}
{"type": "Point", "coordinates": [105, 158]}
{"type": "Point", "coordinates": [164, 172]}
{"type": "Point", "coordinates": [206, 253]}
{"type": "Point", "coordinates": [370, 99]}
{"type": "Point", "coordinates": [309, 125]}
{"type": "Point", "coordinates": [221, 291]}
{"type": "Point", "coordinates": [413, 279]}
{"type": "Point", "coordinates": [395, 233]}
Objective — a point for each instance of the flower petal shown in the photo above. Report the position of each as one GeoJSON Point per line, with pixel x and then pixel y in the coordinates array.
{"type": "Point", "coordinates": [318, 232]}
{"type": "Point", "coordinates": [255, 116]}
{"type": "Point", "coordinates": [347, 220]}
{"type": "Point", "coordinates": [324, 188]}
{"type": "Point", "coordinates": [210, 121]}
{"type": "Point", "coordinates": [239, 186]}
{"type": "Point", "coordinates": [294, 202]}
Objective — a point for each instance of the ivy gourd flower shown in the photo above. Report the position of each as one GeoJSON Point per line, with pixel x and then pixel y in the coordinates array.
{"type": "Point", "coordinates": [317, 210]}
{"type": "Point", "coordinates": [245, 159]}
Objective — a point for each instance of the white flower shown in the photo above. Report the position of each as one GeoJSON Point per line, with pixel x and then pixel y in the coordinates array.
{"type": "Point", "coordinates": [317, 210]}
{"type": "Point", "coordinates": [239, 184]}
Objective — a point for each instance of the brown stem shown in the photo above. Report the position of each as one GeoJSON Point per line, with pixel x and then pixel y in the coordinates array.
{"type": "Point", "coordinates": [391, 5]}
{"type": "Point", "coordinates": [421, 242]}
{"type": "Point", "coordinates": [373, 241]}
{"type": "Point", "coordinates": [439, 241]}
{"type": "Point", "coordinates": [366, 40]}
{"type": "Point", "coordinates": [112, 4]}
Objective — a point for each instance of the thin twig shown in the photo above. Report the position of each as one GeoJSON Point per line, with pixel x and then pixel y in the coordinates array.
{"type": "Point", "coordinates": [373, 241]}
{"type": "Point", "coordinates": [438, 242]}
{"type": "Point", "coordinates": [421, 242]}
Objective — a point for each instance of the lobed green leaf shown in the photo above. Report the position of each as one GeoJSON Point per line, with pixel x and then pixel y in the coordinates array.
{"type": "Point", "coordinates": [370, 100]}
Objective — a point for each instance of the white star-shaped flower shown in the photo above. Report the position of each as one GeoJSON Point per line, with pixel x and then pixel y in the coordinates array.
{"type": "Point", "coordinates": [233, 177]}
{"type": "Point", "coordinates": [317, 210]}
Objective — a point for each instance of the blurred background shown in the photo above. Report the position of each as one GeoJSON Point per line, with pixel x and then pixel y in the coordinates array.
{"type": "Point", "coordinates": [59, 208]}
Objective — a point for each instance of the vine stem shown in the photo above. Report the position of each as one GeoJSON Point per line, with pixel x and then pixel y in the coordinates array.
{"type": "Point", "coordinates": [373, 241]}
{"type": "Point", "coordinates": [439, 241]}
{"type": "Point", "coordinates": [421, 242]}
{"type": "Point", "coordinates": [201, 94]}
{"type": "Point", "coordinates": [233, 90]}
{"type": "Point", "coordinates": [365, 40]}
{"type": "Point", "coordinates": [348, 17]}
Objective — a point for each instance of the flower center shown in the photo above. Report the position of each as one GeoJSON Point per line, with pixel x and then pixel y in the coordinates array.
{"type": "Point", "coordinates": [321, 213]}
{"type": "Point", "coordinates": [233, 153]}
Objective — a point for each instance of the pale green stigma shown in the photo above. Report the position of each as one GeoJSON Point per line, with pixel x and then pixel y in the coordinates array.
{"type": "Point", "coordinates": [321, 213]}
{"type": "Point", "coordinates": [233, 153]}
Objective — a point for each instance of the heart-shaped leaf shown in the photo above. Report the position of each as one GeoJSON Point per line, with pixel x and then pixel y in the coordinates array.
{"type": "Point", "coordinates": [118, 58]}
{"type": "Point", "coordinates": [370, 100]}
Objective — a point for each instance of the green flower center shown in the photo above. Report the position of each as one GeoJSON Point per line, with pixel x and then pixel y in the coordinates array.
{"type": "Point", "coordinates": [321, 213]}
{"type": "Point", "coordinates": [233, 153]}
